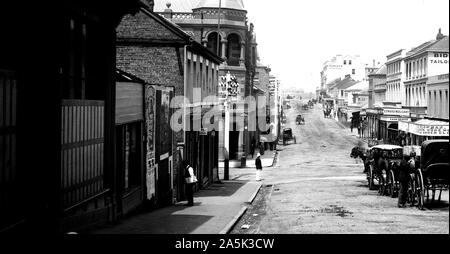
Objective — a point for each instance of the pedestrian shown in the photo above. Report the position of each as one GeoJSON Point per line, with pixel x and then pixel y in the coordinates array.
{"type": "Point", "coordinates": [403, 179]}
{"type": "Point", "coordinates": [190, 180]}
{"type": "Point", "coordinates": [258, 165]}
{"type": "Point", "coordinates": [383, 166]}
{"type": "Point", "coordinates": [252, 147]}
{"type": "Point", "coordinates": [351, 126]}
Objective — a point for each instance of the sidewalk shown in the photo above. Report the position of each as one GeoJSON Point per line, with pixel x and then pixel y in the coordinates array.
{"type": "Point", "coordinates": [216, 210]}
{"type": "Point", "coordinates": [267, 160]}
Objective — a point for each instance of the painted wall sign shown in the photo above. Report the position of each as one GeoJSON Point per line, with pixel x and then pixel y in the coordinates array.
{"type": "Point", "coordinates": [150, 108]}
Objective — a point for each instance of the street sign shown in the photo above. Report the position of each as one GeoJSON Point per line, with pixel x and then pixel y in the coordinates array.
{"type": "Point", "coordinates": [203, 131]}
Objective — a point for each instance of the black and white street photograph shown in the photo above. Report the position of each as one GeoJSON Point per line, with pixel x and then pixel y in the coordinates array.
{"type": "Point", "coordinates": [244, 120]}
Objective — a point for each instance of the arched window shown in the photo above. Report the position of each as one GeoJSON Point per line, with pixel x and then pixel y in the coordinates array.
{"type": "Point", "coordinates": [233, 50]}
{"type": "Point", "coordinates": [212, 43]}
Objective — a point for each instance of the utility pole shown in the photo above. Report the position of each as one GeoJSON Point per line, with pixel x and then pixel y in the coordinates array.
{"type": "Point", "coordinates": [231, 89]}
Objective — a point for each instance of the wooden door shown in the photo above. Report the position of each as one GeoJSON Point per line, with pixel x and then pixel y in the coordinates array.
{"type": "Point", "coordinates": [11, 182]}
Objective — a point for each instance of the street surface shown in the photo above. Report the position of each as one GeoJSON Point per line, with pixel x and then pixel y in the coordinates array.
{"type": "Point", "coordinates": [315, 187]}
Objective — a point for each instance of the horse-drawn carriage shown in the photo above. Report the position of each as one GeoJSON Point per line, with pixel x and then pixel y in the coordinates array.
{"type": "Point", "coordinates": [327, 113]}
{"type": "Point", "coordinates": [287, 135]}
{"type": "Point", "coordinates": [387, 177]}
{"type": "Point", "coordinates": [433, 172]}
{"type": "Point", "coordinates": [299, 120]}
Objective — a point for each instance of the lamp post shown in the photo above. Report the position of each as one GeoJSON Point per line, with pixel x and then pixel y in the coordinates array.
{"type": "Point", "coordinates": [231, 89]}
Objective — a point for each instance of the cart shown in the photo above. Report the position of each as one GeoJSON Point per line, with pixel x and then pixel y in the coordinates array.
{"type": "Point", "coordinates": [299, 120]}
{"type": "Point", "coordinates": [386, 179]}
{"type": "Point", "coordinates": [287, 136]}
{"type": "Point", "coordinates": [433, 172]}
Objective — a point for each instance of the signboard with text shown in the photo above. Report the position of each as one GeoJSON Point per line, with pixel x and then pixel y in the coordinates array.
{"type": "Point", "coordinates": [396, 112]}
{"type": "Point", "coordinates": [437, 63]}
{"type": "Point", "coordinates": [429, 130]}
{"type": "Point", "coordinates": [394, 119]}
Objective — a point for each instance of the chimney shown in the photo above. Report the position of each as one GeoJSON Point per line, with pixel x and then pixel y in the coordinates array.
{"type": "Point", "coordinates": [168, 11]}
{"type": "Point", "coordinates": [439, 36]}
{"type": "Point", "coordinates": [151, 4]}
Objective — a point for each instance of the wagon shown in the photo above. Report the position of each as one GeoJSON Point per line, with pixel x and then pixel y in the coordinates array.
{"type": "Point", "coordinates": [287, 135]}
{"type": "Point", "coordinates": [299, 120]}
{"type": "Point", "coordinates": [433, 172]}
{"type": "Point", "coordinates": [387, 179]}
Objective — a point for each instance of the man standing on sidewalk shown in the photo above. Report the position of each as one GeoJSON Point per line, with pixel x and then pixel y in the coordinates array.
{"type": "Point", "coordinates": [258, 165]}
{"type": "Point", "coordinates": [190, 179]}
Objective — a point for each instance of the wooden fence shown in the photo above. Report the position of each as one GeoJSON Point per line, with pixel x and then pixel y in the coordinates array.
{"type": "Point", "coordinates": [9, 182]}
{"type": "Point", "coordinates": [82, 152]}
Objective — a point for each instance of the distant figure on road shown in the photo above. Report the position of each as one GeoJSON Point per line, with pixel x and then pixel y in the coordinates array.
{"type": "Point", "coordinates": [191, 180]}
{"type": "Point", "coordinates": [258, 165]}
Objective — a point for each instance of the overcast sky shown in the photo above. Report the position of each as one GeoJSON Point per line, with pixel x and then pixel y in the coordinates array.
{"type": "Point", "coordinates": [295, 37]}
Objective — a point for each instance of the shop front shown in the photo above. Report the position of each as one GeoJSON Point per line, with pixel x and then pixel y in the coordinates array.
{"type": "Point", "coordinates": [418, 132]}
{"type": "Point", "coordinates": [388, 124]}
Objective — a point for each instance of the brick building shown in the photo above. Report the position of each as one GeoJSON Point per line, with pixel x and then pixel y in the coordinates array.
{"type": "Point", "coordinates": [234, 43]}
{"type": "Point", "coordinates": [159, 52]}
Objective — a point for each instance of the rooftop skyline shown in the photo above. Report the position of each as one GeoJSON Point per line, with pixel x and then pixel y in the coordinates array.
{"type": "Point", "coordinates": [295, 38]}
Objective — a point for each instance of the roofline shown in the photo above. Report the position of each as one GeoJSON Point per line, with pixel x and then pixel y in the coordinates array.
{"type": "Point", "coordinates": [222, 8]}
{"type": "Point", "coordinates": [196, 46]}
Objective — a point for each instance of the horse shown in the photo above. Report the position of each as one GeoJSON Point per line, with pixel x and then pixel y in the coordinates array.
{"type": "Point", "coordinates": [357, 153]}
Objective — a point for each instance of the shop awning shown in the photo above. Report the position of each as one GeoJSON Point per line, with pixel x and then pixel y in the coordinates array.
{"type": "Point", "coordinates": [425, 127]}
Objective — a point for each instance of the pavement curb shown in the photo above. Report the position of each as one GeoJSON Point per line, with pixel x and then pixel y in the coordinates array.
{"type": "Point", "coordinates": [241, 212]}
{"type": "Point", "coordinates": [231, 224]}
{"type": "Point", "coordinates": [253, 196]}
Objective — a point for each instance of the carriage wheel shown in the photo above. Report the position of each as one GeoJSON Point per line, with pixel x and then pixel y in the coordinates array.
{"type": "Point", "coordinates": [392, 184]}
{"type": "Point", "coordinates": [370, 177]}
{"type": "Point", "coordinates": [420, 190]}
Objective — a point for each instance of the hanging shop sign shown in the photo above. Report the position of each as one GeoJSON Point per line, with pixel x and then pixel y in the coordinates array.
{"type": "Point", "coordinates": [394, 119]}
{"type": "Point", "coordinates": [429, 130]}
{"type": "Point", "coordinates": [396, 112]}
{"type": "Point", "coordinates": [424, 130]}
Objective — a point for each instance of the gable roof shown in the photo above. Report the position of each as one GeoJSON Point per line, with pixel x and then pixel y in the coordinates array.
{"type": "Point", "coordinates": [430, 46]}
{"type": "Point", "coordinates": [173, 32]}
{"type": "Point", "coordinates": [363, 85]}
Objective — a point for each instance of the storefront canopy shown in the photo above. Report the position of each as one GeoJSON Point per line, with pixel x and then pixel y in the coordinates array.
{"type": "Point", "coordinates": [425, 127]}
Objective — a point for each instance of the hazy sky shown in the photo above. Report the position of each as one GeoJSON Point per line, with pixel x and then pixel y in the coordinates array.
{"type": "Point", "coordinates": [295, 37]}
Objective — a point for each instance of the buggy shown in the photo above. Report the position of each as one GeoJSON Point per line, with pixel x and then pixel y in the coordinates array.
{"type": "Point", "coordinates": [386, 178]}
{"type": "Point", "coordinates": [433, 171]}
{"type": "Point", "coordinates": [299, 120]}
{"type": "Point", "coordinates": [287, 135]}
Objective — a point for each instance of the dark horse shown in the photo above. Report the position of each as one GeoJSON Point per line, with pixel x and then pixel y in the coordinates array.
{"type": "Point", "coordinates": [357, 153]}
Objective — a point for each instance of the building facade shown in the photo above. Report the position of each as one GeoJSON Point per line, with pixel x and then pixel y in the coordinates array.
{"type": "Point", "coordinates": [157, 51]}
{"type": "Point", "coordinates": [339, 66]}
{"type": "Point", "coordinates": [58, 169]}
{"type": "Point", "coordinates": [225, 31]}
{"type": "Point", "coordinates": [395, 77]}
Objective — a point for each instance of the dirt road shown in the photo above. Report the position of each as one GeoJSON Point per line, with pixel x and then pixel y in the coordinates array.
{"type": "Point", "coordinates": [317, 188]}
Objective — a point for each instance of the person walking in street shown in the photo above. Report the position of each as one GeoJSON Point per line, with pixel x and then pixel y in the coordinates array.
{"type": "Point", "coordinates": [258, 165]}
{"type": "Point", "coordinates": [190, 180]}
{"type": "Point", "coordinates": [404, 174]}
